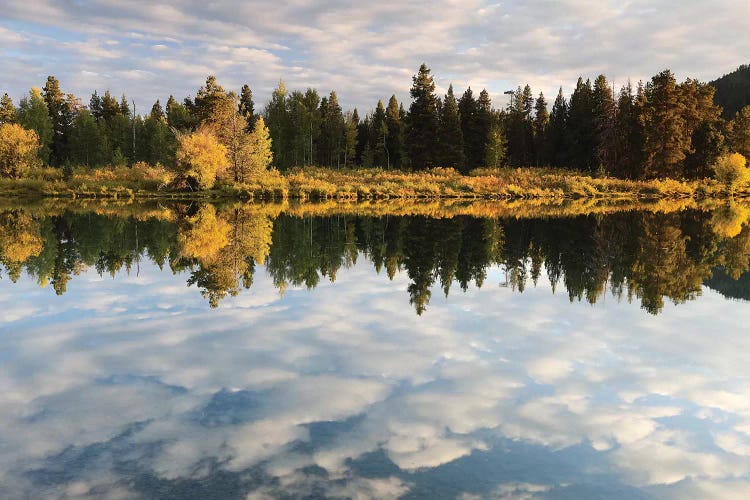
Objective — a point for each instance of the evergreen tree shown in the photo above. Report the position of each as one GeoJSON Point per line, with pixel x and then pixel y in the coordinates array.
{"type": "Point", "coordinates": [247, 107]}
{"type": "Point", "coordinates": [332, 131]}
{"type": "Point", "coordinates": [540, 125]}
{"type": "Point", "coordinates": [581, 128]}
{"type": "Point", "coordinates": [157, 112]}
{"type": "Point", "coordinates": [557, 132]}
{"type": "Point", "coordinates": [57, 108]}
{"type": "Point", "coordinates": [468, 109]}
{"type": "Point", "coordinates": [422, 133]}
{"type": "Point", "coordinates": [484, 124]}
{"type": "Point", "coordinates": [95, 106]}
{"type": "Point", "coordinates": [124, 106]}
{"type": "Point", "coordinates": [495, 153]}
{"type": "Point", "coordinates": [378, 136]}
{"type": "Point", "coordinates": [739, 132]}
{"type": "Point", "coordinates": [7, 110]}
{"type": "Point", "coordinates": [666, 139]}
{"type": "Point", "coordinates": [395, 140]}
{"type": "Point", "coordinates": [603, 105]}
{"type": "Point", "coordinates": [351, 122]}
{"type": "Point", "coordinates": [628, 141]}
{"type": "Point", "coordinates": [178, 116]}
{"type": "Point", "coordinates": [451, 137]}
{"type": "Point", "coordinates": [277, 121]}
{"type": "Point", "coordinates": [85, 141]}
{"type": "Point", "coordinates": [109, 107]}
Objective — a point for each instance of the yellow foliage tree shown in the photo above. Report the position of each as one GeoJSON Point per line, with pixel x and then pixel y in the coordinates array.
{"type": "Point", "coordinates": [205, 235]}
{"type": "Point", "coordinates": [201, 157]}
{"type": "Point", "coordinates": [731, 171]}
{"type": "Point", "coordinates": [18, 150]}
{"type": "Point", "coordinates": [728, 220]}
{"type": "Point", "coordinates": [261, 156]}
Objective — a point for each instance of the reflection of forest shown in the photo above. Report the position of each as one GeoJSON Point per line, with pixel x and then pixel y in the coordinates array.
{"type": "Point", "coordinates": [648, 256]}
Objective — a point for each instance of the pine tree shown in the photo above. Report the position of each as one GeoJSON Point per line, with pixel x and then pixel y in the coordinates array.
{"type": "Point", "coordinates": [422, 133]}
{"type": "Point", "coordinates": [157, 112]}
{"type": "Point", "coordinates": [395, 140]}
{"type": "Point", "coordinates": [603, 105]}
{"type": "Point", "coordinates": [109, 107]}
{"type": "Point", "coordinates": [7, 110]}
{"type": "Point", "coordinates": [55, 101]}
{"type": "Point", "coordinates": [95, 106]}
{"type": "Point", "coordinates": [378, 136]}
{"type": "Point", "coordinates": [557, 132]}
{"type": "Point", "coordinates": [628, 138]}
{"type": "Point", "coordinates": [247, 107]}
{"type": "Point", "coordinates": [332, 131]}
{"type": "Point", "coordinates": [277, 121]}
{"type": "Point", "coordinates": [178, 116]}
{"type": "Point", "coordinates": [124, 106]}
{"type": "Point", "coordinates": [468, 109]}
{"type": "Point", "coordinates": [666, 140]}
{"type": "Point", "coordinates": [495, 152]}
{"type": "Point", "coordinates": [540, 125]}
{"type": "Point", "coordinates": [581, 128]}
{"type": "Point", "coordinates": [484, 124]}
{"type": "Point", "coordinates": [739, 132]}
{"type": "Point", "coordinates": [451, 138]}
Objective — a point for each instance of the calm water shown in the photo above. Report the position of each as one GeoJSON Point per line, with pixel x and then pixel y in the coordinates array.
{"type": "Point", "coordinates": [196, 352]}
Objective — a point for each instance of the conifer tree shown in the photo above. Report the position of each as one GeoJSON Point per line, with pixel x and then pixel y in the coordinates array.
{"type": "Point", "coordinates": [124, 106]}
{"type": "Point", "coordinates": [157, 112]}
{"type": "Point", "coordinates": [468, 109]}
{"type": "Point", "coordinates": [581, 128]}
{"type": "Point", "coordinates": [109, 107]}
{"type": "Point", "coordinates": [95, 106]}
{"type": "Point", "coordinates": [178, 117]}
{"type": "Point", "coordinates": [247, 107]}
{"type": "Point", "coordinates": [422, 132]}
{"type": "Point", "coordinates": [666, 139]}
{"type": "Point", "coordinates": [604, 109]}
{"type": "Point", "coordinates": [277, 121]}
{"type": "Point", "coordinates": [56, 107]}
{"type": "Point", "coordinates": [395, 140]}
{"type": "Point", "coordinates": [739, 132]}
{"type": "Point", "coordinates": [557, 131]}
{"type": "Point", "coordinates": [451, 138]}
{"type": "Point", "coordinates": [7, 110]}
{"type": "Point", "coordinates": [378, 137]}
{"type": "Point", "coordinates": [540, 125]}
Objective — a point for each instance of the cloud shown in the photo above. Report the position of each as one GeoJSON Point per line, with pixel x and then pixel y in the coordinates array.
{"type": "Point", "coordinates": [368, 51]}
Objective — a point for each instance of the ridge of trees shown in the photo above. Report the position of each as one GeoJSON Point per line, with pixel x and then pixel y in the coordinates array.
{"type": "Point", "coordinates": [660, 128]}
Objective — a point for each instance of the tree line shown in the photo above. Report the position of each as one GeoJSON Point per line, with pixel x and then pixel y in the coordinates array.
{"type": "Point", "coordinates": [661, 128]}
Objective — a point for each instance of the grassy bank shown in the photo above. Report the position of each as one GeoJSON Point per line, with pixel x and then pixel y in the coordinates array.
{"type": "Point", "coordinates": [312, 183]}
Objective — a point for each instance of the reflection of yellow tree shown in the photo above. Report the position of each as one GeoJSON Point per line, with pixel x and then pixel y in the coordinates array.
{"type": "Point", "coordinates": [728, 220]}
{"type": "Point", "coordinates": [663, 267]}
{"type": "Point", "coordinates": [205, 235]}
{"type": "Point", "coordinates": [227, 247]}
{"type": "Point", "coordinates": [20, 239]}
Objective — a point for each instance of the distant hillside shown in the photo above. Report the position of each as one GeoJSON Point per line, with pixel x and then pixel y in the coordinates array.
{"type": "Point", "coordinates": [733, 90]}
{"type": "Point", "coordinates": [729, 288]}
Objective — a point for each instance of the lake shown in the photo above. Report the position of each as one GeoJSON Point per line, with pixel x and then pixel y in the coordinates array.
{"type": "Point", "coordinates": [261, 351]}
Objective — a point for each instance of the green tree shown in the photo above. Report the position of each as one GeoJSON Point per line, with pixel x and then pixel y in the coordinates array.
{"type": "Point", "coordinates": [247, 107]}
{"type": "Point", "coordinates": [666, 139]}
{"type": "Point", "coordinates": [557, 131]}
{"type": "Point", "coordinates": [495, 156]}
{"type": "Point", "coordinates": [451, 138]}
{"type": "Point", "coordinates": [604, 110]}
{"type": "Point", "coordinates": [395, 140]}
{"type": "Point", "coordinates": [85, 142]}
{"type": "Point", "coordinates": [178, 116]}
{"type": "Point", "coordinates": [422, 133]}
{"type": "Point", "coordinates": [581, 128]}
{"type": "Point", "coordinates": [378, 137]}
{"type": "Point", "coordinates": [539, 126]}
{"type": "Point", "coordinates": [277, 120]}
{"type": "Point", "coordinates": [110, 107]}
{"type": "Point", "coordinates": [739, 132]}
{"type": "Point", "coordinates": [57, 109]}
{"type": "Point", "coordinates": [33, 115]}
{"type": "Point", "coordinates": [7, 110]}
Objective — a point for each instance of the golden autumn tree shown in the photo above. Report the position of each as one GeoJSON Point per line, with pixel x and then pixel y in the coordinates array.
{"type": "Point", "coordinates": [731, 170]}
{"type": "Point", "coordinates": [20, 239]}
{"type": "Point", "coordinates": [200, 158]}
{"type": "Point", "coordinates": [18, 150]}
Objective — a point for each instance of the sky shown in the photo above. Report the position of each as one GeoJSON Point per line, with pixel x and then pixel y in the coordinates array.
{"type": "Point", "coordinates": [364, 50]}
{"type": "Point", "coordinates": [658, 402]}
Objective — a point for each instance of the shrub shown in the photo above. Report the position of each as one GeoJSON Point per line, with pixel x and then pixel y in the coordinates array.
{"type": "Point", "coordinates": [18, 150]}
{"type": "Point", "coordinates": [731, 171]}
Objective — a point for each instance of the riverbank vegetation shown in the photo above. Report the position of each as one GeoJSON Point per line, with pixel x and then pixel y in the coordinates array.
{"type": "Point", "coordinates": [658, 139]}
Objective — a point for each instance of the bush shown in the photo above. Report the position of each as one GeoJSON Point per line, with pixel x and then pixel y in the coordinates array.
{"type": "Point", "coordinates": [18, 150]}
{"type": "Point", "coordinates": [731, 171]}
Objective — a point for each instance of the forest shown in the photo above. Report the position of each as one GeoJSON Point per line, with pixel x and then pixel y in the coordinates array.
{"type": "Point", "coordinates": [658, 129]}
{"type": "Point", "coordinates": [634, 256]}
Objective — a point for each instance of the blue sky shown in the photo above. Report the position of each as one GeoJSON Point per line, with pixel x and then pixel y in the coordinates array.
{"type": "Point", "coordinates": [364, 50]}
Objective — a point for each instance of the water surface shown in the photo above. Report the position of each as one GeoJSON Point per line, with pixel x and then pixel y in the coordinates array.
{"type": "Point", "coordinates": [194, 351]}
